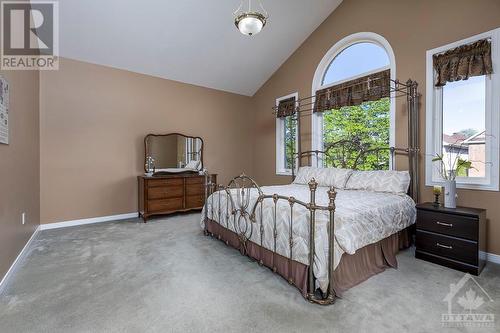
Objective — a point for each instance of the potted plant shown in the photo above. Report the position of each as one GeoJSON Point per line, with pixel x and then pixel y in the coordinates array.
{"type": "Point", "coordinates": [449, 170]}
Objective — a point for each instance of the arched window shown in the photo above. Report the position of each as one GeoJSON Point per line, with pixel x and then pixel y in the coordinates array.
{"type": "Point", "coordinates": [372, 122]}
{"type": "Point", "coordinates": [354, 61]}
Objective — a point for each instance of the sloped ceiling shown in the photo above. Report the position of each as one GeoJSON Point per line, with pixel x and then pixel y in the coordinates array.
{"type": "Point", "coordinates": [192, 41]}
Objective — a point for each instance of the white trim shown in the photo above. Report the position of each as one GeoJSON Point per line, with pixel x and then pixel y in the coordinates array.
{"type": "Point", "coordinates": [18, 259]}
{"type": "Point", "coordinates": [494, 258]}
{"type": "Point", "coordinates": [360, 37]}
{"type": "Point", "coordinates": [434, 122]}
{"type": "Point", "coordinates": [92, 220]}
{"type": "Point", "coordinates": [490, 257]}
{"type": "Point", "coordinates": [279, 153]}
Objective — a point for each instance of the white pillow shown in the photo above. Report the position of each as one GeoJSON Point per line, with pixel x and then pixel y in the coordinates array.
{"type": "Point", "coordinates": [379, 181]}
{"type": "Point", "coordinates": [323, 176]}
{"type": "Point", "coordinates": [193, 165]}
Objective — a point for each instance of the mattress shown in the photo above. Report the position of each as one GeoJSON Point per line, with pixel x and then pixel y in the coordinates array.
{"type": "Point", "coordinates": [361, 218]}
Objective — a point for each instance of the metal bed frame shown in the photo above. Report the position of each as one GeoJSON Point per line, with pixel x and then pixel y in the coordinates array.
{"type": "Point", "coordinates": [243, 216]}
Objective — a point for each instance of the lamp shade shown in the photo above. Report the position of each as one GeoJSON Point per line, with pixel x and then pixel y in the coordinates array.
{"type": "Point", "coordinates": [250, 23]}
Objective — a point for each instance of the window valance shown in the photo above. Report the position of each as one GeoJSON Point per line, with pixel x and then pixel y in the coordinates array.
{"type": "Point", "coordinates": [463, 62]}
{"type": "Point", "coordinates": [286, 107]}
{"type": "Point", "coordinates": [367, 88]}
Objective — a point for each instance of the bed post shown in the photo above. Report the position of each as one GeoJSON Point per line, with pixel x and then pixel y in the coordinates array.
{"type": "Point", "coordinates": [413, 136]}
{"type": "Point", "coordinates": [415, 144]}
{"type": "Point", "coordinates": [312, 230]}
{"type": "Point", "coordinates": [332, 194]}
{"type": "Point", "coordinates": [209, 190]}
{"type": "Point", "coordinates": [205, 230]}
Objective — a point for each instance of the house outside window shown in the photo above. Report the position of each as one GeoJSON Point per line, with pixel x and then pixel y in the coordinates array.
{"type": "Point", "coordinates": [463, 121]}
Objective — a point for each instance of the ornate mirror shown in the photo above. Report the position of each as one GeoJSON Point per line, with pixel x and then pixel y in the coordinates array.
{"type": "Point", "coordinates": [172, 153]}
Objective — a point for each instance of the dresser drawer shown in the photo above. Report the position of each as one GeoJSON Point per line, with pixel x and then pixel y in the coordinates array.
{"type": "Point", "coordinates": [165, 182]}
{"type": "Point", "coordinates": [165, 192]}
{"type": "Point", "coordinates": [195, 189]}
{"type": "Point", "coordinates": [195, 201]}
{"type": "Point", "coordinates": [165, 205]}
{"type": "Point", "coordinates": [449, 247]}
{"type": "Point", "coordinates": [449, 224]}
{"type": "Point", "coordinates": [195, 180]}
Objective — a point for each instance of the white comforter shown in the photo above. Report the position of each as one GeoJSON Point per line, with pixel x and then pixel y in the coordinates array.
{"type": "Point", "coordinates": [361, 218]}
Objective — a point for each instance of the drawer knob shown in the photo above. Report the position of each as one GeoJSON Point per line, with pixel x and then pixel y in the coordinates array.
{"type": "Point", "coordinates": [445, 224]}
{"type": "Point", "coordinates": [449, 247]}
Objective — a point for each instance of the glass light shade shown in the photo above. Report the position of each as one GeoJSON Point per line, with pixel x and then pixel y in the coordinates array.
{"type": "Point", "coordinates": [250, 23]}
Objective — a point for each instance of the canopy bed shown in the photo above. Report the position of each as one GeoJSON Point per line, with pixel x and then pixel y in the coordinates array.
{"type": "Point", "coordinates": [333, 227]}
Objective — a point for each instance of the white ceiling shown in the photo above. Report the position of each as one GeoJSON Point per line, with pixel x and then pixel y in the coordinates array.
{"type": "Point", "coordinates": [192, 41]}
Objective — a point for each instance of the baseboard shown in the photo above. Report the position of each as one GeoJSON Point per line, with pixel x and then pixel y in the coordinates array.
{"type": "Point", "coordinates": [19, 257]}
{"type": "Point", "coordinates": [92, 220]}
{"type": "Point", "coordinates": [491, 257]}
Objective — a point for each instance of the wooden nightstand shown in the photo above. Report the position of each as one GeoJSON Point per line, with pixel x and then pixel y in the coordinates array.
{"type": "Point", "coordinates": [452, 237]}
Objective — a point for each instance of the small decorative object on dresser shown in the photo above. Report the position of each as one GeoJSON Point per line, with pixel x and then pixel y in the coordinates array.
{"type": "Point", "coordinates": [449, 172]}
{"type": "Point", "coordinates": [450, 193]}
{"type": "Point", "coordinates": [452, 237]}
{"type": "Point", "coordinates": [437, 192]}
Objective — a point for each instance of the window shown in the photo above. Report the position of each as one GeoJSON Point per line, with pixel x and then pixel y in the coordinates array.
{"type": "Point", "coordinates": [286, 137]}
{"type": "Point", "coordinates": [463, 122]}
{"type": "Point", "coordinates": [372, 122]}
{"type": "Point", "coordinates": [354, 61]}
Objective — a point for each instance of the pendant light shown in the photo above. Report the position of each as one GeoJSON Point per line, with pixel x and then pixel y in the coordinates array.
{"type": "Point", "coordinates": [250, 22]}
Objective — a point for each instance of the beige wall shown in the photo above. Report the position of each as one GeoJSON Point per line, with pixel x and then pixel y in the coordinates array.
{"type": "Point", "coordinates": [411, 27]}
{"type": "Point", "coordinates": [93, 120]}
{"type": "Point", "coordinates": [19, 167]}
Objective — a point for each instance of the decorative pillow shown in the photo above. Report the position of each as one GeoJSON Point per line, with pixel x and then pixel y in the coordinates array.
{"type": "Point", "coordinates": [323, 176]}
{"type": "Point", "coordinates": [379, 181]}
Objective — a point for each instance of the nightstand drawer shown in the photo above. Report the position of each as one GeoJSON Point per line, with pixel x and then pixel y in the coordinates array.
{"type": "Point", "coordinates": [449, 247]}
{"type": "Point", "coordinates": [448, 224]}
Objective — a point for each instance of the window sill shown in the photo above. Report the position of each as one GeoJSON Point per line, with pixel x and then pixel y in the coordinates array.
{"type": "Point", "coordinates": [479, 187]}
{"type": "Point", "coordinates": [283, 173]}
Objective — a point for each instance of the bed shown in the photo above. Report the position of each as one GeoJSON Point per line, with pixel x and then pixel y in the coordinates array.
{"type": "Point", "coordinates": [333, 227]}
{"type": "Point", "coordinates": [361, 218]}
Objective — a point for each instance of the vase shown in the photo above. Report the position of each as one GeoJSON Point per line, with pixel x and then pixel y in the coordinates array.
{"type": "Point", "coordinates": [450, 194]}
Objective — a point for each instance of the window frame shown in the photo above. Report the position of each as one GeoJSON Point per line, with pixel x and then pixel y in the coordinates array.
{"type": "Point", "coordinates": [434, 118]}
{"type": "Point", "coordinates": [280, 138]}
{"type": "Point", "coordinates": [324, 65]}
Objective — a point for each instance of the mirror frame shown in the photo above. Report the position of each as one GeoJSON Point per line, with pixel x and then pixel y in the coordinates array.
{"type": "Point", "coordinates": [169, 134]}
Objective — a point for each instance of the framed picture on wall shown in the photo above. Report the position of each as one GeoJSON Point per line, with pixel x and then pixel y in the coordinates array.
{"type": "Point", "coordinates": [4, 111]}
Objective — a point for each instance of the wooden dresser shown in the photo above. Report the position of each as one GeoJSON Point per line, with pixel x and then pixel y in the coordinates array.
{"type": "Point", "coordinates": [171, 193]}
{"type": "Point", "coordinates": [451, 237]}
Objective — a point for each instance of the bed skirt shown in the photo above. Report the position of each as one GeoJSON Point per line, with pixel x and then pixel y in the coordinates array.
{"type": "Point", "coordinates": [352, 269]}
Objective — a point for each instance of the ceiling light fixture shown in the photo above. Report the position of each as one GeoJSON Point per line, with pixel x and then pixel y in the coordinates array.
{"type": "Point", "coordinates": [250, 22]}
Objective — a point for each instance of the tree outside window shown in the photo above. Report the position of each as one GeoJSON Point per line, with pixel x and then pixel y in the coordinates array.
{"type": "Point", "coordinates": [369, 123]}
